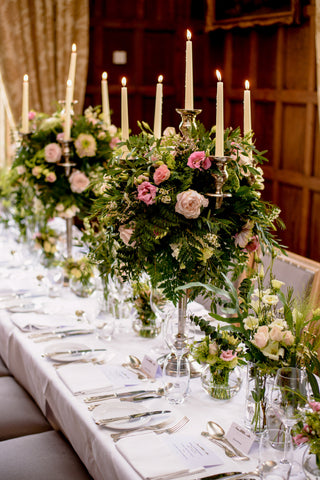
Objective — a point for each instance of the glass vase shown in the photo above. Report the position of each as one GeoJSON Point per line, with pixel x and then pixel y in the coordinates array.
{"type": "Point", "coordinates": [221, 385]}
{"type": "Point", "coordinates": [83, 289]}
{"type": "Point", "coordinates": [311, 465]}
{"type": "Point", "coordinates": [147, 328]}
{"type": "Point", "coordinates": [256, 398]}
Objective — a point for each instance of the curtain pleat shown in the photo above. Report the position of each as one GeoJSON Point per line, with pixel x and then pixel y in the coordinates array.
{"type": "Point", "coordinates": [35, 39]}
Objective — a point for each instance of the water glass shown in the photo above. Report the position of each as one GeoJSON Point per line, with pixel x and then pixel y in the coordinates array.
{"type": "Point", "coordinates": [176, 377]}
{"type": "Point", "coordinates": [275, 462]}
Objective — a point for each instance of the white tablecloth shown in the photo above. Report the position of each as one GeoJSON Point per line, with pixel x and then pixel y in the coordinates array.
{"type": "Point", "coordinates": [69, 413]}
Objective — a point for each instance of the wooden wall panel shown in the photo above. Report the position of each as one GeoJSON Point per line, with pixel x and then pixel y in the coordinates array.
{"type": "Point", "coordinates": [266, 58]}
{"type": "Point", "coordinates": [293, 145]}
{"type": "Point", "coordinates": [296, 48]}
{"type": "Point", "coordinates": [314, 229]}
{"type": "Point", "coordinates": [290, 202]}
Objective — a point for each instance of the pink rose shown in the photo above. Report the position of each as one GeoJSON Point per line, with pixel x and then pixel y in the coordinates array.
{"type": "Point", "coordinates": [276, 334]}
{"type": "Point", "coordinates": [31, 115]}
{"type": "Point", "coordinates": [114, 142]}
{"type": "Point", "coordinates": [60, 137]}
{"type": "Point", "coordinates": [227, 355]}
{"type": "Point", "coordinates": [261, 337]}
{"type": "Point", "coordinates": [315, 406]}
{"type": "Point", "coordinates": [161, 174]}
{"type": "Point", "coordinates": [300, 439]}
{"type": "Point", "coordinates": [147, 193]}
{"type": "Point", "coordinates": [21, 169]}
{"type": "Point", "coordinates": [52, 153]}
{"type": "Point", "coordinates": [125, 235]}
{"type": "Point", "coordinates": [36, 171]}
{"type": "Point", "coordinates": [78, 181]}
{"type": "Point", "coordinates": [199, 160]}
{"type": "Point", "coordinates": [253, 244]}
{"type": "Point", "coordinates": [51, 177]}
{"type": "Point", "coordinates": [288, 338]}
{"type": "Point", "coordinates": [189, 203]}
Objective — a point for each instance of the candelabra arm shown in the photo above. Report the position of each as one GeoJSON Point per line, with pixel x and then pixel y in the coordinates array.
{"type": "Point", "coordinates": [220, 179]}
{"type": "Point", "coordinates": [188, 121]}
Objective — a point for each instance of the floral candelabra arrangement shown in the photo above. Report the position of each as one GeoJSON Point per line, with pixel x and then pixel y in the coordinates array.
{"type": "Point", "coordinates": [276, 329]}
{"type": "Point", "coordinates": [158, 217]}
{"type": "Point", "coordinates": [36, 174]}
{"type": "Point", "coordinates": [221, 352]}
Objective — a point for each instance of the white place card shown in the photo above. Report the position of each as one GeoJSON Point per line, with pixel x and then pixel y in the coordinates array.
{"type": "Point", "coordinates": [150, 366]}
{"type": "Point", "coordinates": [240, 437]}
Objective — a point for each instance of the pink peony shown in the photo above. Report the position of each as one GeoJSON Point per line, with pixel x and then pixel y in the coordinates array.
{"type": "Point", "coordinates": [315, 406]}
{"type": "Point", "coordinates": [51, 177]}
{"type": "Point", "coordinates": [78, 181]}
{"type": "Point", "coordinates": [125, 235]}
{"type": "Point", "coordinates": [52, 153]}
{"type": "Point", "coordinates": [147, 193]}
{"type": "Point", "coordinates": [227, 355]}
{"type": "Point", "coordinates": [199, 160]}
{"type": "Point", "coordinates": [161, 174]}
{"type": "Point", "coordinates": [189, 203]}
{"type": "Point", "coordinates": [253, 244]}
{"type": "Point", "coordinates": [261, 337]}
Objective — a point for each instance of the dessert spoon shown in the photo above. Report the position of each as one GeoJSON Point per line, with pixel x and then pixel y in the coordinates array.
{"type": "Point", "coordinates": [217, 432]}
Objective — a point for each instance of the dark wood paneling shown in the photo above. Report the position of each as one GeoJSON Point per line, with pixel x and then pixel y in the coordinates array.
{"type": "Point", "coordinates": [290, 202]}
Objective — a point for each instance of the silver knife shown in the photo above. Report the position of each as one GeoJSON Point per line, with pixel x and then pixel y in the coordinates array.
{"type": "Point", "coordinates": [73, 352]}
{"type": "Point", "coordinates": [59, 331]}
{"type": "Point", "coordinates": [63, 335]}
{"type": "Point", "coordinates": [133, 416]}
{"type": "Point", "coordinates": [96, 398]}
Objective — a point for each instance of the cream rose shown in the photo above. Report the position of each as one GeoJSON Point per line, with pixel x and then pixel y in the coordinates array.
{"type": "Point", "coordinates": [189, 203]}
{"type": "Point", "coordinates": [276, 334]}
{"type": "Point", "coordinates": [78, 181]}
{"type": "Point", "coordinates": [261, 338]}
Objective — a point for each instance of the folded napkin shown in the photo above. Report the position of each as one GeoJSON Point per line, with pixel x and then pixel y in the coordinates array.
{"type": "Point", "coordinates": [39, 321]}
{"type": "Point", "coordinates": [83, 378]}
{"type": "Point", "coordinates": [151, 456]}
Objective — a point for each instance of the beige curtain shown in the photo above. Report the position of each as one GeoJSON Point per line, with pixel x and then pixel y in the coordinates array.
{"type": "Point", "coordinates": [35, 39]}
{"type": "Point", "coordinates": [318, 52]}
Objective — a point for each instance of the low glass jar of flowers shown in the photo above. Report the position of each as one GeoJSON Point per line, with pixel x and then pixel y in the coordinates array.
{"type": "Point", "coordinates": [221, 354]}
{"type": "Point", "coordinates": [146, 322]}
{"type": "Point", "coordinates": [81, 275]}
{"type": "Point", "coordinates": [307, 432]}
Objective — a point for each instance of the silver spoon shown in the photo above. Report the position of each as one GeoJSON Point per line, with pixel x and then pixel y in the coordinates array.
{"type": "Point", "coordinates": [136, 363]}
{"type": "Point", "coordinates": [228, 452]}
{"type": "Point", "coordinates": [217, 432]}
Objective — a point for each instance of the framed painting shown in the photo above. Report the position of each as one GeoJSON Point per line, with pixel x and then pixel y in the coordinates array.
{"type": "Point", "coordinates": [247, 13]}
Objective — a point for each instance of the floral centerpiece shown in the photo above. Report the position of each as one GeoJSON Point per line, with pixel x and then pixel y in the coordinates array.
{"type": "Point", "coordinates": [158, 215]}
{"type": "Point", "coordinates": [276, 329]}
{"type": "Point", "coordinates": [221, 353]}
{"type": "Point", "coordinates": [36, 173]}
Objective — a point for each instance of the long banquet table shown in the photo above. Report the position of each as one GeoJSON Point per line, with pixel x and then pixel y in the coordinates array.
{"type": "Point", "coordinates": [69, 413]}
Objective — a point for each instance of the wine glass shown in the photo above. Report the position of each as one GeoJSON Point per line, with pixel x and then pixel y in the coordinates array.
{"type": "Point", "coordinates": [288, 398]}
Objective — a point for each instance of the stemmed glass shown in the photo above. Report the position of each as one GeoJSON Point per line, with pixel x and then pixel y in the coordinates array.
{"type": "Point", "coordinates": [176, 368]}
{"type": "Point", "coordinates": [288, 398]}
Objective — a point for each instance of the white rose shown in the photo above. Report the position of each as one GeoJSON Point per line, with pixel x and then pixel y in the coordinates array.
{"type": "Point", "coordinates": [189, 203]}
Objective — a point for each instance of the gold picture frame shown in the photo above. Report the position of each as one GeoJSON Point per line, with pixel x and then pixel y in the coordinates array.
{"type": "Point", "coordinates": [227, 14]}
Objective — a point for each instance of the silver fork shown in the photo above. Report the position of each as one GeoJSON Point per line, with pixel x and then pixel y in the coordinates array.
{"type": "Point", "coordinates": [158, 428]}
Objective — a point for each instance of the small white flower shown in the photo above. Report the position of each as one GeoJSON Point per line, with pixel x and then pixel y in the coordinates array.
{"type": "Point", "coordinates": [270, 299]}
{"type": "Point", "coordinates": [277, 284]}
{"type": "Point", "coordinates": [250, 323]}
